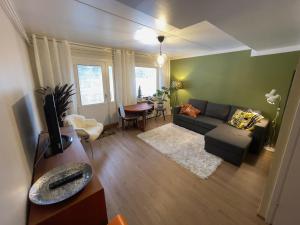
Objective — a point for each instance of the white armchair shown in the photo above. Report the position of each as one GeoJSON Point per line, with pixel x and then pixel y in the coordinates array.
{"type": "Point", "coordinates": [88, 129]}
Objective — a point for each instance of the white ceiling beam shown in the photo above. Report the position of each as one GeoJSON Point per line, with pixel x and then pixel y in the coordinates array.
{"type": "Point", "coordinates": [275, 50]}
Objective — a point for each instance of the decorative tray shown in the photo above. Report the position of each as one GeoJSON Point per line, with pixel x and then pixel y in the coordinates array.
{"type": "Point", "coordinates": [60, 183]}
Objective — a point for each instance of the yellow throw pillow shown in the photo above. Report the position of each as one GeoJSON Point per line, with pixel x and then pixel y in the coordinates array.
{"type": "Point", "coordinates": [255, 117]}
{"type": "Point", "coordinates": [244, 119]}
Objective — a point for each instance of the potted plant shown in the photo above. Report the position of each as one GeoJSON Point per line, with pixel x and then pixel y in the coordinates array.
{"type": "Point", "coordinates": [62, 96]}
{"type": "Point", "coordinates": [161, 96]}
{"type": "Point", "coordinates": [139, 92]}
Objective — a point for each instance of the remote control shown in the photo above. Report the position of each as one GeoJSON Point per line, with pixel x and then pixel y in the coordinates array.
{"type": "Point", "coordinates": [66, 180]}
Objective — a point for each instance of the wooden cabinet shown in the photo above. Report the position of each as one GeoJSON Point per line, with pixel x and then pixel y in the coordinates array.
{"type": "Point", "coordinates": [85, 208]}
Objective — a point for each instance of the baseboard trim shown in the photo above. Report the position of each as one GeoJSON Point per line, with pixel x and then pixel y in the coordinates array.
{"type": "Point", "coordinates": [109, 126]}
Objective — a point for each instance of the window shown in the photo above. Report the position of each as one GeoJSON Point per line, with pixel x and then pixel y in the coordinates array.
{"type": "Point", "coordinates": [146, 78]}
{"type": "Point", "coordinates": [111, 83]}
{"type": "Point", "coordinates": [90, 84]}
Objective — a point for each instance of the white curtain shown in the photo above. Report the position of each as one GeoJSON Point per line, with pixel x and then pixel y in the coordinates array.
{"type": "Point", "coordinates": [54, 64]}
{"type": "Point", "coordinates": [164, 81]}
{"type": "Point", "coordinates": [124, 72]}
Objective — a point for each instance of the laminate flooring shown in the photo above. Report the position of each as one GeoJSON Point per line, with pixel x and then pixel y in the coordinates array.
{"type": "Point", "coordinates": [150, 189]}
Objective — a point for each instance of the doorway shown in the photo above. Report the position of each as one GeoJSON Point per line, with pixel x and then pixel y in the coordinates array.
{"type": "Point", "coordinates": [95, 91]}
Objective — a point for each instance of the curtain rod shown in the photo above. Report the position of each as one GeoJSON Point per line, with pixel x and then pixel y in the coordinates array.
{"type": "Point", "coordinates": [40, 36]}
{"type": "Point", "coordinates": [108, 49]}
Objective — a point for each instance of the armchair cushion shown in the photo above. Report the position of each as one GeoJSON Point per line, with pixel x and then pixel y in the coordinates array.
{"type": "Point", "coordinates": [85, 127]}
{"type": "Point", "coordinates": [90, 122]}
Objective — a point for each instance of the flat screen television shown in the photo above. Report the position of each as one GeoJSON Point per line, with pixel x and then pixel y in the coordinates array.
{"type": "Point", "coordinates": [57, 142]}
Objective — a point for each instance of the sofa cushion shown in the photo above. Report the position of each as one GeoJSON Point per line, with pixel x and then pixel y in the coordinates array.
{"type": "Point", "coordinates": [202, 121]}
{"type": "Point", "coordinates": [184, 118]}
{"type": "Point", "coordinates": [218, 111]}
{"type": "Point", "coordinates": [229, 143]}
{"type": "Point", "coordinates": [199, 104]}
{"type": "Point", "coordinates": [208, 122]}
{"type": "Point", "coordinates": [229, 135]}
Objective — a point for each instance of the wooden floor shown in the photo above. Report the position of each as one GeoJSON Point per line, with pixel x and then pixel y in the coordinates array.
{"type": "Point", "coordinates": [150, 189]}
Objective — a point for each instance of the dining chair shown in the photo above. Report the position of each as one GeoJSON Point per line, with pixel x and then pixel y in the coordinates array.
{"type": "Point", "coordinates": [159, 111]}
{"type": "Point", "coordinates": [126, 118]}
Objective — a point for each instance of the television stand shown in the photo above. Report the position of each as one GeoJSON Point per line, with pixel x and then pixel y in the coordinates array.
{"type": "Point", "coordinates": [86, 207]}
{"type": "Point", "coordinates": [66, 142]}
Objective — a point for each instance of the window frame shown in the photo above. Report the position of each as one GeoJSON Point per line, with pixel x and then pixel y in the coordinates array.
{"type": "Point", "coordinates": [148, 66]}
{"type": "Point", "coordinates": [102, 65]}
{"type": "Point", "coordinates": [105, 79]}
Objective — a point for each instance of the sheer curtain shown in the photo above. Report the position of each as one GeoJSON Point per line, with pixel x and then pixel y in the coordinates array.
{"type": "Point", "coordinates": [164, 81]}
{"type": "Point", "coordinates": [124, 72]}
{"type": "Point", "coordinates": [54, 64]}
{"type": "Point", "coordinates": [149, 60]}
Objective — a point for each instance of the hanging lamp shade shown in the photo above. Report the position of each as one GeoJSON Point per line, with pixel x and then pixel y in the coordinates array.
{"type": "Point", "coordinates": [160, 57]}
{"type": "Point", "coordinates": [160, 60]}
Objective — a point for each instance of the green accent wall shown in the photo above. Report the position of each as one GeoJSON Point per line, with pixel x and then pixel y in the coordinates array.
{"type": "Point", "coordinates": [236, 78]}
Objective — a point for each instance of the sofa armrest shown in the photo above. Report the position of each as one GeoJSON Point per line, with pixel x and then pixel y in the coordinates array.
{"type": "Point", "coordinates": [262, 124]}
{"type": "Point", "coordinates": [259, 135]}
{"type": "Point", "coordinates": [176, 109]}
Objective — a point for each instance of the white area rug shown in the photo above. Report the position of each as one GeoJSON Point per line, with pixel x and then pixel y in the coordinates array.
{"type": "Point", "coordinates": [183, 146]}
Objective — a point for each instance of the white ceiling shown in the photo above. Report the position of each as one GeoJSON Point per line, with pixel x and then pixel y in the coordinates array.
{"type": "Point", "coordinates": [260, 24]}
{"type": "Point", "coordinates": [193, 27]}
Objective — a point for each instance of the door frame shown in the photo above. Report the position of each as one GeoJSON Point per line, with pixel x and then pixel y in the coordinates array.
{"type": "Point", "coordinates": [106, 84]}
{"type": "Point", "coordinates": [288, 151]}
{"type": "Point", "coordinates": [284, 167]}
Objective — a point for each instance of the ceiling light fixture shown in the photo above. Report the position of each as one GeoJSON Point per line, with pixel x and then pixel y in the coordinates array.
{"type": "Point", "coordinates": [146, 36]}
{"type": "Point", "coordinates": [161, 57]}
{"type": "Point", "coordinates": [161, 23]}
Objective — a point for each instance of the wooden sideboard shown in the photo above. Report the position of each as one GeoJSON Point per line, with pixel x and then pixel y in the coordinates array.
{"type": "Point", "coordinates": [85, 208]}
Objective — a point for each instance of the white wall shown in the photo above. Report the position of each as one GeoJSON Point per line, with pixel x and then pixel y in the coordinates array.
{"type": "Point", "coordinates": [19, 124]}
{"type": "Point", "coordinates": [287, 212]}
{"type": "Point", "coordinates": [282, 155]}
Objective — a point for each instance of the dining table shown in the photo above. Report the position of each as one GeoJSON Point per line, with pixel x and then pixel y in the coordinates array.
{"type": "Point", "coordinates": [139, 109]}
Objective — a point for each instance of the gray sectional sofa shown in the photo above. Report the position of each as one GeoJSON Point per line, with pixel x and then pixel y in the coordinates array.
{"type": "Point", "coordinates": [221, 139]}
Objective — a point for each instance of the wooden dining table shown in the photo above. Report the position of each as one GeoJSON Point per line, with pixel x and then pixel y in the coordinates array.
{"type": "Point", "coordinates": [139, 109]}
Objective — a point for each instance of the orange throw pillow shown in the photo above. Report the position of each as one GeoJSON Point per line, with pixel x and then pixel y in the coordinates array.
{"type": "Point", "coordinates": [189, 110]}
{"type": "Point", "coordinates": [184, 107]}
{"type": "Point", "coordinates": [197, 111]}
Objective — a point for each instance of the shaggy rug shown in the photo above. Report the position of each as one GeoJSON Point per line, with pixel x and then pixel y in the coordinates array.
{"type": "Point", "coordinates": [184, 147]}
